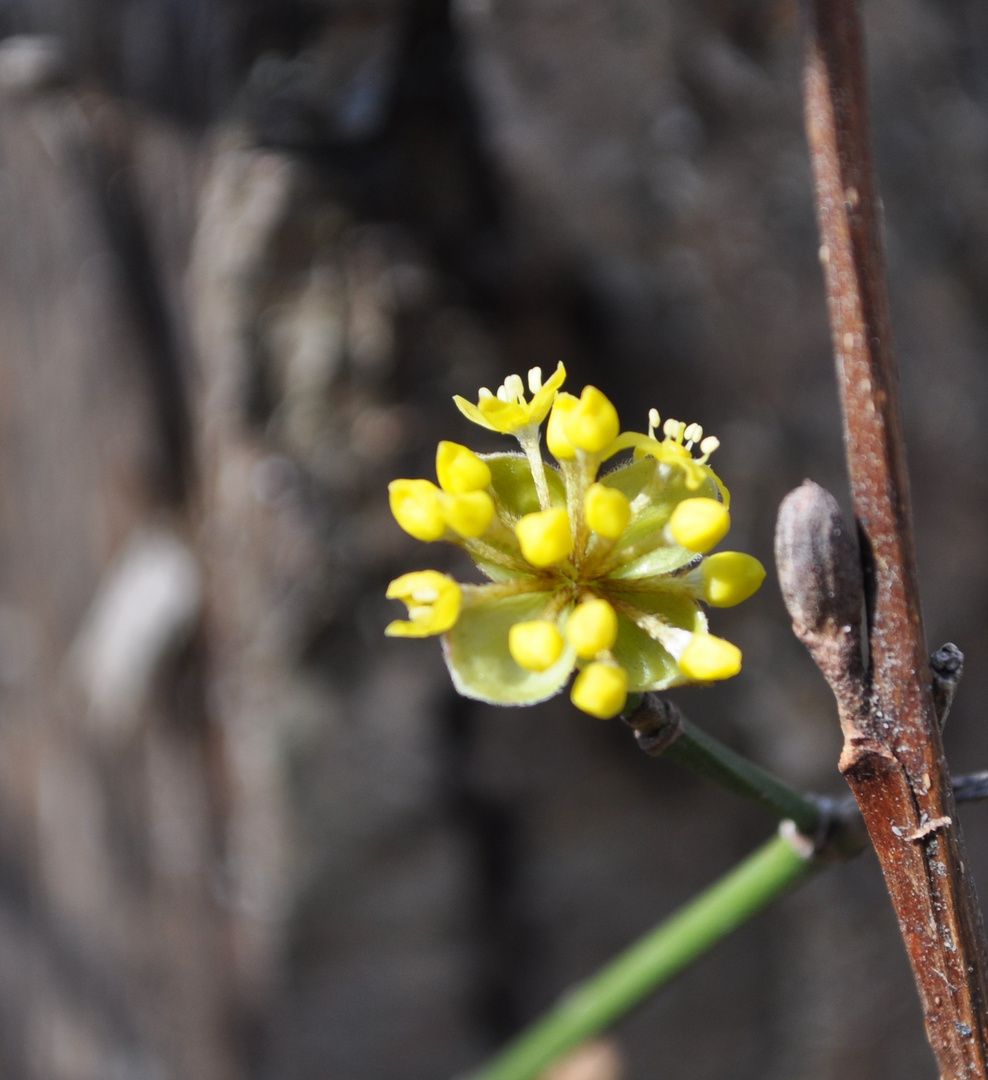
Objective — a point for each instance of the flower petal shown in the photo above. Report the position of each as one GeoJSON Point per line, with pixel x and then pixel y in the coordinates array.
{"type": "Point", "coordinates": [471, 412]}
{"type": "Point", "coordinates": [541, 403]}
{"type": "Point", "coordinates": [433, 601]}
{"type": "Point", "coordinates": [476, 652]}
{"type": "Point", "coordinates": [628, 440]}
{"type": "Point", "coordinates": [504, 416]}
{"type": "Point", "coordinates": [696, 474]}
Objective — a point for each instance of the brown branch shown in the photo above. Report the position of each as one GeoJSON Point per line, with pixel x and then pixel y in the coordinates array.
{"type": "Point", "coordinates": [893, 755]}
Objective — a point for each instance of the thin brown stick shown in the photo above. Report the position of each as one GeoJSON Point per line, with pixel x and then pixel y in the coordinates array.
{"type": "Point", "coordinates": [893, 755]}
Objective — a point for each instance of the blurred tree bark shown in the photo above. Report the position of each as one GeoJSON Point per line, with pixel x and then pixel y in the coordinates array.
{"type": "Point", "coordinates": [248, 251]}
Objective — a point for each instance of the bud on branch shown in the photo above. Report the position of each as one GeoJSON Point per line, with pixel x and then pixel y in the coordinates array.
{"type": "Point", "coordinates": [820, 576]}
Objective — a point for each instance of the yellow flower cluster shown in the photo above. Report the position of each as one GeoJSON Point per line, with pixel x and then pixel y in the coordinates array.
{"type": "Point", "coordinates": [605, 573]}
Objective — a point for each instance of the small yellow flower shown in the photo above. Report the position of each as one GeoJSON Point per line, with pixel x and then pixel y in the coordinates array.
{"type": "Point", "coordinates": [592, 425]}
{"type": "Point", "coordinates": [555, 431]}
{"type": "Point", "coordinates": [469, 514]}
{"type": "Point", "coordinates": [418, 508]}
{"type": "Point", "coordinates": [674, 450]}
{"type": "Point", "coordinates": [507, 411]}
{"type": "Point", "coordinates": [607, 510]}
{"type": "Point", "coordinates": [729, 577]}
{"type": "Point", "coordinates": [592, 628]}
{"type": "Point", "coordinates": [601, 690]}
{"type": "Point", "coordinates": [708, 658]}
{"type": "Point", "coordinates": [460, 470]}
{"type": "Point", "coordinates": [545, 537]}
{"type": "Point", "coordinates": [433, 602]}
{"type": "Point", "coordinates": [606, 577]}
{"type": "Point", "coordinates": [699, 524]}
{"type": "Point", "coordinates": [535, 645]}
{"type": "Point", "coordinates": [428, 514]}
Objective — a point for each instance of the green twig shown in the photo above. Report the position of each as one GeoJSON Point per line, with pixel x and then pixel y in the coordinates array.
{"type": "Point", "coordinates": [661, 729]}
{"type": "Point", "coordinates": [650, 963]}
{"type": "Point", "coordinates": [704, 754]}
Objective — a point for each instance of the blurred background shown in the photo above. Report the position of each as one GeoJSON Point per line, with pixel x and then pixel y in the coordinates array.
{"type": "Point", "coordinates": [248, 251]}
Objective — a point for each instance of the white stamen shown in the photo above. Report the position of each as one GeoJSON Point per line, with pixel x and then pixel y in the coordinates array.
{"type": "Point", "coordinates": [693, 433]}
{"type": "Point", "coordinates": [673, 429]}
{"type": "Point", "coordinates": [709, 444]}
{"type": "Point", "coordinates": [485, 394]}
{"type": "Point", "coordinates": [534, 380]}
{"type": "Point", "coordinates": [425, 596]}
{"type": "Point", "coordinates": [653, 422]}
{"type": "Point", "coordinates": [512, 390]}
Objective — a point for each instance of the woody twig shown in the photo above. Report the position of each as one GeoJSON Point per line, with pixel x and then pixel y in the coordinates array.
{"type": "Point", "coordinates": [893, 755]}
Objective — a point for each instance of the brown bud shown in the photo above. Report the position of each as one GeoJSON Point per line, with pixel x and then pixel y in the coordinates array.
{"type": "Point", "coordinates": [817, 562]}
{"type": "Point", "coordinates": [820, 575]}
{"type": "Point", "coordinates": [946, 668]}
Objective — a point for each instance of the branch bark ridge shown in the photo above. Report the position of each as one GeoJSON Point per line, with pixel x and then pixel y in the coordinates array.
{"type": "Point", "coordinates": [893, 755]}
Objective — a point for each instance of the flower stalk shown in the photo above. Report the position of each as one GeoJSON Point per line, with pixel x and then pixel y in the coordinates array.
{"type": "Point", "coordinates": [662, 730]}
{"type": "Point", "coordinates": [763, 878]}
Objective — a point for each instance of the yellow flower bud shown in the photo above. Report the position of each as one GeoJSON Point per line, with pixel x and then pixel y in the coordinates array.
{"type": "Point", "coordinates": [460, 470]}
{"type": "Point", "coordinates": [707, 658]}
{"type": "Point", "coordinates": [592, 628]}
{"type": "Point", "coordinates": [555, 431]}
{"type": "Point", "coordinates": [469, 514]}
{"type": "Point", "coordinates": [600, 690]}
{"type": "Point", "coordinates": [417, 507]}
{"type": "Point", "coordinates": [545, 536]}
{"type": "Point", "coordinates": [593, 423]}
{"type": "Point", "coordinates": [536, 645]}
{"type": "Point", "coordinates": [730, 577]}
{"type": "Point", "coordinates": [433, 602]}
{"type": "Point", "coordinates": [607, 510]}
{"type": "Point", "coordinates": [699, 524]}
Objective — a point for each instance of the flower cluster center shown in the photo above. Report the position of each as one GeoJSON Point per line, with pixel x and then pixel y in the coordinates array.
{"type": "Point", "coordinates": [599, 568]}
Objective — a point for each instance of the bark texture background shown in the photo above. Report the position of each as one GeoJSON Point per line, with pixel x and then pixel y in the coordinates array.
{"type": "Point", "coordinates": [248, 251]}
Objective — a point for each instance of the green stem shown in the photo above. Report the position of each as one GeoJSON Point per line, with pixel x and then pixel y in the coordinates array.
{"type": "Point", "coordinates": [529, 439]}
{"type": "Point", "coordinates": [704, 754]}
{"type": "Point", "coordinates": [650, 963]}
